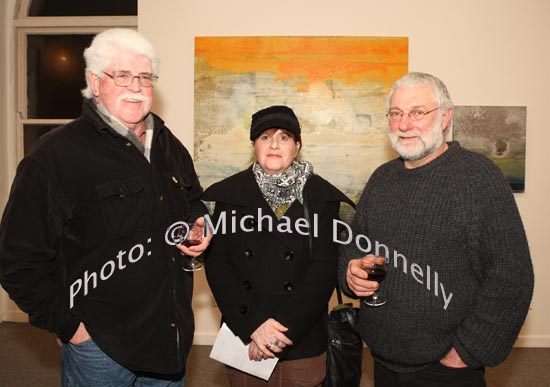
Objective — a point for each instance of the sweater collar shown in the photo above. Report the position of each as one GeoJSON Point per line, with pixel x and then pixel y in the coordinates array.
{"type": "Point", "coordinates": [454, 148]}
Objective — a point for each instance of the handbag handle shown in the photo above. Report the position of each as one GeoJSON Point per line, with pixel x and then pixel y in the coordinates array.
{"type": "Point", "coordinates": [306, 215]}
{"type": "Point", "coordinates": [338, 293]}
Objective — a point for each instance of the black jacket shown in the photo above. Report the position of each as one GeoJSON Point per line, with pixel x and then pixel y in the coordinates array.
{"type": "Point", "coordinates": [255, 275]}
{"type": "Point", "coordinates": [82, 238]}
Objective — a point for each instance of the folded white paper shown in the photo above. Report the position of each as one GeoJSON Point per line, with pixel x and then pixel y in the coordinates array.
{"type": "Point", "coordinates": [229, 349]}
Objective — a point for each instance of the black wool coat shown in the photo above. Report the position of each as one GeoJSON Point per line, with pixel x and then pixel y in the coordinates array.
{"type": "Point", "coordinates": [261, 267]}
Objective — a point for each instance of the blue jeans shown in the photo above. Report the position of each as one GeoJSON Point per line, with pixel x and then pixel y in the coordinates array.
{"type": "Point", "coordinates": [85, 365]}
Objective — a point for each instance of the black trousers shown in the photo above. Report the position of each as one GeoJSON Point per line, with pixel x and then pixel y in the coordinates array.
{"type": "Point", "coordinates": [436, 375]}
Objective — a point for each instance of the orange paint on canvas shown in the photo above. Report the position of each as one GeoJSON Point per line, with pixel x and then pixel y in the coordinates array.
{"type": "Point", "coordinates": [308, 59]}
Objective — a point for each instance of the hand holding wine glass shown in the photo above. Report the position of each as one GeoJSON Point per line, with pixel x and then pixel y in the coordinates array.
{"type": "Point", "coordinates": [194, 236]}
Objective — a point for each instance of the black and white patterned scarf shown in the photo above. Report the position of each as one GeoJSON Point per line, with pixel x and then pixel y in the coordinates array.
{"type": "Point", "coordinates": [282, 189]}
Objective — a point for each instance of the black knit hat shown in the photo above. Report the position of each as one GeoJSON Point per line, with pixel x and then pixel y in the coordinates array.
{"type": "Point", "coordinates": [280, 117]}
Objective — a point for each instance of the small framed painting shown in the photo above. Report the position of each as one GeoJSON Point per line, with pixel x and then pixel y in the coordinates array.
{"type": "Point", "coordinates": [497, 132]}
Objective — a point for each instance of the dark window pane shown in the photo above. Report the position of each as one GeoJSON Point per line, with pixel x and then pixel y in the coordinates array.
{"type": "Point", "coordinates": [83, 7]}
{"type": "Point", "coordinates": [55, 75]}
{"type": "Point", "coordinates": [31, 134]}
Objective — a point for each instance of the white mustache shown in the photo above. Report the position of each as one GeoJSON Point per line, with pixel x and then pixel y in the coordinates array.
{"type": "Point", "coordinates": [132, 97]}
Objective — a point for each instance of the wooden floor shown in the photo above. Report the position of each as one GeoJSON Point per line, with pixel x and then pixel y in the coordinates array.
{"type": "Point", "coordinates": [31, 357]}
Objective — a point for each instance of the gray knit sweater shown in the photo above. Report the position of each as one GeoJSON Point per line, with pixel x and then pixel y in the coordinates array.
{"type": "Point", "coordinates": [460, 271]}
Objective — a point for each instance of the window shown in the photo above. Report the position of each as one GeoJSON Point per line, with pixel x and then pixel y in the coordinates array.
{"type": "Point", "coordinates": [83, 7]}
{"type": "Point", "coordinates": [51, 37]}
{"type": "Point", "coordinates": [55, 75]}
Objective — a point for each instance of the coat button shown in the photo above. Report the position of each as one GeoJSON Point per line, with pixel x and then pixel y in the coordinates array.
{"type": "Point", "coordinates": [247, 285]}
{"type": "Point", "coordinates": [243, 309]}
{"type": "Point", "coordinates": [248, 253]}
{"type": "Point", "coordinates": [289, 256]}
{"type": "Point", "coordinates": [288, 286]}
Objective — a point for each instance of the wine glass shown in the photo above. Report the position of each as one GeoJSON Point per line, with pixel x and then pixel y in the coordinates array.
{"type": "Point", "coordinates": [193, 236]}
{"type": "Point", "coordinates": [377, 269]}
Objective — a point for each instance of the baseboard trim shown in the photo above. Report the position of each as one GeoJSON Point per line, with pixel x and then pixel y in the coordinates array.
{"type": "Point", "coordinates": [207, 338]}
{"type": "Point", "coordinates": [15, 316]}
{"type": "Point", "coordinates": [532, 342]}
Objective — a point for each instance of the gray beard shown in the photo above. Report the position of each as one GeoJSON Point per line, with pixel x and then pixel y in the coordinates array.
{"type": "Point", "coordinates": [428, 143]}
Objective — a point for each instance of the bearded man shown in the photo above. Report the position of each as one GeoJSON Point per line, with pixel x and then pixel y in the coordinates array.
{"type": "Point", "coordinates": [460, 276]}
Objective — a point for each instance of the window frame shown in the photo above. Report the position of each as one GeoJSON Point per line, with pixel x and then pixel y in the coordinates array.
{"type": "Point", "coordinates": [45, 25]}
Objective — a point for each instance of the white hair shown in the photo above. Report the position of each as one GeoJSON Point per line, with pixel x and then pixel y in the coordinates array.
{"type": "Point", "coordinates": [413, 79]}
{"type": "Point", "coordinates": [105, 47]}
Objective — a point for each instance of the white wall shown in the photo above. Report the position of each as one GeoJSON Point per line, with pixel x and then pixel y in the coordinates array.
{"type": "Point", "coordinates": [491, 52]}
{"type": "Point", "coordinates": [3, 111]}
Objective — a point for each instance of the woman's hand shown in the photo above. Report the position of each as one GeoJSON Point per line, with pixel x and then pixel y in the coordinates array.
{"type": "Point", "coordinates": [270, 337]}
{"type": "Point", "coordinates": [254, 352]}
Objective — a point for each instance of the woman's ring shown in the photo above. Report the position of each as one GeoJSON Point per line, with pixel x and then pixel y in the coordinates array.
{"type": "Point", "coordinates": [277, 342]}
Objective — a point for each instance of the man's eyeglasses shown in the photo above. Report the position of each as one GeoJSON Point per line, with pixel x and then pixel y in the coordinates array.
{"type": "Point", "coordinates": [414, 115]}
{"type": "Point", "coordinates": [125, 78]}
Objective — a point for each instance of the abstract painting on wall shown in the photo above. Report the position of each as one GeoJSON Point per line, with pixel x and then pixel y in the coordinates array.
{"type": "Point", "coordinates": [497, 132]}
{"type": "Point", "coordinates": [337, 86]}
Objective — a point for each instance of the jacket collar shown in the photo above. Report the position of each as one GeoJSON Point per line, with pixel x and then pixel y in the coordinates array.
{"type": "Point", "coordinates": [90, 114]}
{"type": "Point", "coordinates": [241, 190]}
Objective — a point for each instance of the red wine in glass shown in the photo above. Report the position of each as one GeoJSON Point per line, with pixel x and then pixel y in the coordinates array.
{"type": "Point", "coordinates": [190, 242]}
{"type": "Point", "coordinates": [377, 272]}
{"type": "Point", "coordinates": [193, 237]}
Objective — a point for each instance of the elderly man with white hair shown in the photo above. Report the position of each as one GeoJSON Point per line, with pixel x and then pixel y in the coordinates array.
{"type": "Point", "coordinates": [83, 247]}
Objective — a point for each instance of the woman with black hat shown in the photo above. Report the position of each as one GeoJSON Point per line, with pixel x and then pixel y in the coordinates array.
{"type": "Point", "coordinates": [273, 272]}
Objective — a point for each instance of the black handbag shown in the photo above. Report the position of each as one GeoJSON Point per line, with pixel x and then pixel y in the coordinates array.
{"type": "Point", "coordinates": [345, 347]}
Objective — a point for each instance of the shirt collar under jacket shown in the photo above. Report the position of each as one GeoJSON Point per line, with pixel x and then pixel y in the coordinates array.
{"type": "Point", "coordinates": [121, 129]}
